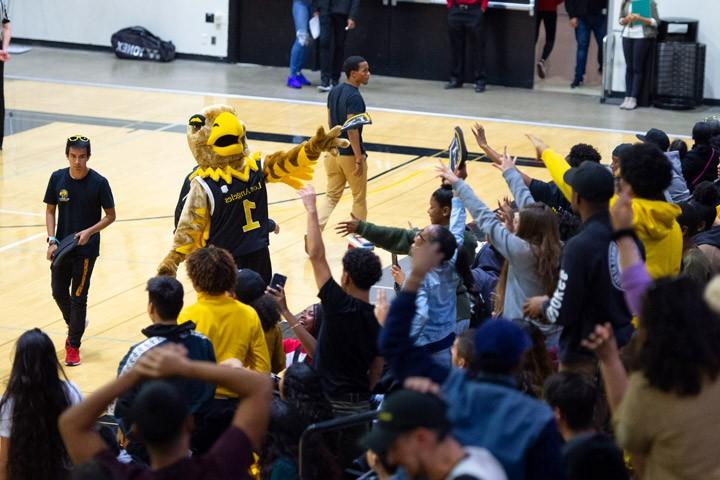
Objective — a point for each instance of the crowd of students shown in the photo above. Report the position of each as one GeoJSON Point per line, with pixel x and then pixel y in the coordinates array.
{"type": "Point", "coordinates": [572, 333]}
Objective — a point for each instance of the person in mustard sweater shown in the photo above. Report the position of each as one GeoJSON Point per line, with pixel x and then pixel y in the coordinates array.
{"type": "Point", "coordinates": [233, 327]}
{"type": "Point", "coordinates": [648, 173]}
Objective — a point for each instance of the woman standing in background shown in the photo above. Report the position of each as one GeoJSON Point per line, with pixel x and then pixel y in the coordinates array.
{"type": "Point", "coordinates": [547, 14]}
{"type": "Point", "coordinates": [4, 57]}
{"type": "Point", "coordinates": [638, 36]}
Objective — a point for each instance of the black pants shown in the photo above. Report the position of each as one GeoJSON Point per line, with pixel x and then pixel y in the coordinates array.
{"type": "Point", "coordinates": [461, 23]}
{"type": "Point", "coordinates": [332, 47]}
{"type": "Point", "coordinates": [550, 21]}
{"type": "Point", "coordinates": [258, 261]}
{"type": "Point", "coordinates": [70, 282]}
{"type": "Point", "coordinates": [636, 52]}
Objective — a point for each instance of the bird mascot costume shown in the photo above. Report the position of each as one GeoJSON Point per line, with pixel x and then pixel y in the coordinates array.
{"type": "Point", "coordinates": [224, 200]}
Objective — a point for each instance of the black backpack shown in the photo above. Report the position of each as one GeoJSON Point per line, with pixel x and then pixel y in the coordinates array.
{"type": "Point", "coordinates": [139, 43]}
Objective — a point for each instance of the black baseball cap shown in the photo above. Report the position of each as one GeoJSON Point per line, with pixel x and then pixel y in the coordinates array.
{"type": "Point", "coordinates": [404, 411]}
{"type": "Point", "coordinates": [657, 137]}
{"type": "Point", "coordinates": [591, 181]}
{"type": "Point", "coordinates": [249, 285]}
{"type": "Point", "coordinates": [617, 151]}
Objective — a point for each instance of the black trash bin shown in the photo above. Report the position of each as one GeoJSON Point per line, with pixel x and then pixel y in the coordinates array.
{"type": "Point", "coordinates": [679, 65]}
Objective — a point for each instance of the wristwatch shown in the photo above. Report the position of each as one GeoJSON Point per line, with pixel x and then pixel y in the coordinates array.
{"type": "Point", "coordinates": [52, 240]}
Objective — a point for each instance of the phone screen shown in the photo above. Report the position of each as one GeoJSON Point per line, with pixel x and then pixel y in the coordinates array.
{"type": "Point", "coordinates": [278, 280]}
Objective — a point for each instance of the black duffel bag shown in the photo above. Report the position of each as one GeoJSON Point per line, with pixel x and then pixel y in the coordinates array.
{"type": "Point", "coordinates": [139, 43]}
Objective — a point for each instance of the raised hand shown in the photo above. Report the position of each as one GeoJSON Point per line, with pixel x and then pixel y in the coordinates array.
{"type": "Point", "coordinates": [621, 213]}
{"type": "Point", "coordinates": [539, 145]}
{"type": "Point", "coordinates": [397, 274]}
{"type": "Point", "coordinates": [506, 162]}
{"type": "Point", "coordinates": [506, 214]}
{"type": "Point", "coordinates": [164, 361]}
{"type": "Point", "coordinates": [602, 342]}
{"type": "Point", "coordinates": [446, 174]}
{"type": "Point", "coordinates": [348, 226]}
{"type": "Point", "coordinates": [425, 257]}
{"type": "Point", "coordinates": [279, 295]}
{"type": "Point", "coordinates": [381, 307]}
{"type": "Point", "coordinates": [479, 134]}
{"type": "Point", "coordinates": [308, 197]}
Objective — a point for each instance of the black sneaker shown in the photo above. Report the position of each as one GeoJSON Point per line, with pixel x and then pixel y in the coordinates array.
{"type": "Point", "coordinates": [576, 83]}
{"type": "Point", "coordinates": [479, 87]}
{"type": "Point", "coordinates": [324, 87]}
{"type": "Point", "coordinates": [453, 83]}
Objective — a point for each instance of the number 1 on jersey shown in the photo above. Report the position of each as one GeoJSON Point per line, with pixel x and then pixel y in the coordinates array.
{"type": "Point", "coordinates": [250, 224]}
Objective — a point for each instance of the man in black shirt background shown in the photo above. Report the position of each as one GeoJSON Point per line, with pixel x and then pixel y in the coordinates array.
{"type": "Point", "coordinates": [350, 166]}
{"type": "Point", "coordinates": [337, 17]}
{"type": "Point", "coordinates": [78, 194]}
{"type": "Point", "coordinates": [346, 357]}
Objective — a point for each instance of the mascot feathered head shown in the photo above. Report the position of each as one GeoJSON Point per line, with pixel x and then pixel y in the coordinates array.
{"type": "Point", "coordinates": [217, 137]}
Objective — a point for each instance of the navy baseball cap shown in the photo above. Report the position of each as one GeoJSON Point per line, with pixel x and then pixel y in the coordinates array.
{"type": "Point", "coordinates": [404, 411]}
{"type": "Point", "coordinates": [502, 341]}
{"type": "Point", "coordinates": [249, 285]}
{"type": "Point", "coordinates": [591, 181]}
{"type": "Point", "coordinates": [657, 137]}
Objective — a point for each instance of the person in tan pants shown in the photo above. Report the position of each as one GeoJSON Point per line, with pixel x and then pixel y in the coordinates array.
{"type": "Point", "coordinates": [350, 165]}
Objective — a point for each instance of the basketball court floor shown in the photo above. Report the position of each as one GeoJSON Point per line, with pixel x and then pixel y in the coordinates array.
{"type": "Point", "coordinates": [137, 130]}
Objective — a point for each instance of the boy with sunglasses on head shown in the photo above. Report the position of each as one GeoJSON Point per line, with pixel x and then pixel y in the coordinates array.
{"type": "Point", "coordinates": [78, 194]}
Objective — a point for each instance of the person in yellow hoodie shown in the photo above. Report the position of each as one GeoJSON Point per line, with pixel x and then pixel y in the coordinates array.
{"type": "Point", "coordinates": [648, 173]}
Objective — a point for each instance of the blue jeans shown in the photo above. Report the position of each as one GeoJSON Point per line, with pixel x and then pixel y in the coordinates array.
{"type": "Point", "coordinates": [597, 25]}
{"type": "Point", "coordinates": [301, 16]}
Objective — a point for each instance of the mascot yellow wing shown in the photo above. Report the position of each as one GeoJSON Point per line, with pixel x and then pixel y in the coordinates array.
{"type": "Point", "coordinates": [193, 228]}
{"type": "Point", "coordinates": [296, 165]}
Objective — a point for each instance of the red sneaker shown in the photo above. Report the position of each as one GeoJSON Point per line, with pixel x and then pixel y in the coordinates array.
{"type": "Point", "coordinates": [72, 356]}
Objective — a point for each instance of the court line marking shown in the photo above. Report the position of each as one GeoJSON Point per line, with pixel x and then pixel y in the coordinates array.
{"type": "Point", "coordinates": [12, 245]}
{"type": "Point", "coordinates": [18, 212]}
{"type": "Point", "coordinates": [322, 104]}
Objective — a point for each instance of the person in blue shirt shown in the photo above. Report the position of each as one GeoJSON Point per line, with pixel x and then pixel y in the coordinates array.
{"type": "Point", "coordinates": [485, 408]}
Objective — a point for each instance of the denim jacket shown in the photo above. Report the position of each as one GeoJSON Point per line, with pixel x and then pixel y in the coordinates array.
{"type": "Point", "coordinates": [437, 299]}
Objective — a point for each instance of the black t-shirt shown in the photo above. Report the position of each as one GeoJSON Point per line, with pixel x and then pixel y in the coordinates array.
{"type": "Point", "coordinates": [549, 194]}
{"type": "Point", "coordinates": [347, 343]}
{"type": "Point", "coordinates": [79, 204]}
{"type": "Point", "coordinates": [594, 456]}
{"type": "Point", "coordinates": [344, 100]}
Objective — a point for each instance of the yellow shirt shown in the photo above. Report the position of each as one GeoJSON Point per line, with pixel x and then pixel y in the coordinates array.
{"type": "Point", "coordinates": [234, 330]}
{"type": "Point", "coordinates": [655, 222]}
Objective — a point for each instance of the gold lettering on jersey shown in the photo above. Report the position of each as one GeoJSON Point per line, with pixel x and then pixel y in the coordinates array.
{"type": "Point", "coordinates": [243, 193]}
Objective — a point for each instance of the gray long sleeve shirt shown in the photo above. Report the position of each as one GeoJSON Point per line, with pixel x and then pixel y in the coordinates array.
{"type": "Point", "coordinates": [522, 280]}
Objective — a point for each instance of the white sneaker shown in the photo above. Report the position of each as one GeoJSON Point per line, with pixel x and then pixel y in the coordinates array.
{"type": "Point", "coordinates": [624, 104]}
{"type": "Point", "coordinates": [632, 104]}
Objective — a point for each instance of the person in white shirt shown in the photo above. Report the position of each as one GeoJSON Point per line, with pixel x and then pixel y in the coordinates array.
{"type": "Point", "coordinates": [413, 432]}
{"type": "Point", "coordinates": [638, 35]}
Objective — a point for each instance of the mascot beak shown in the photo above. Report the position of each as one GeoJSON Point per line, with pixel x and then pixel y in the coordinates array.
{"type": "Point", "coordinates": [226, 135]}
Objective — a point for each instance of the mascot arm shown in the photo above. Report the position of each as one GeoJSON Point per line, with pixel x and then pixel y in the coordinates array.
{"type": "Point", "coordinates": [192, 230]}
{"type": "Point", "coordinates": [294, 166]}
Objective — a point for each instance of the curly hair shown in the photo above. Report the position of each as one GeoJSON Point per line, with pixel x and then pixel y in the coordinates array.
{"type": "Point", "coordinates": [211, 270]}
{"type": "Point", "coordinates": [36, 397]}
{"type": "Point", "coordinates": [268, 310]}
{"type": "Point", "coordinates": [646, 169]}
{"type": "Point", "coordinates": [679, 338]}
{"type": "Point", "coordinates": [583, 152]}
{"type": "Point", "coordinates": [363, 267]}
{"type": "Point", "coordinates": [706, 199]}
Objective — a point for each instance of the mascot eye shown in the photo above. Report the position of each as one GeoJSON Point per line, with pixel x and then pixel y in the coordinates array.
{"type": "Point", "coordinates": [197, 122]}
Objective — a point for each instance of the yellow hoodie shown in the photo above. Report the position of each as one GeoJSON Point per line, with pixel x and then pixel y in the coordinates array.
{"type": "Point", "coordinates": [655, 222]}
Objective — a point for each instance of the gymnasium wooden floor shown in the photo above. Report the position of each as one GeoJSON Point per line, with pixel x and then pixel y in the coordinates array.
{"type": "Point", "coordinates": [138, 145]}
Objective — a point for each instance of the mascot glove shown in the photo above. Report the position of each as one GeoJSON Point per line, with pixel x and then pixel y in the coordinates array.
{"type": "Point", "coordinates": [170, 263]}
{"type": "Point", "coordinates": [325, 142]}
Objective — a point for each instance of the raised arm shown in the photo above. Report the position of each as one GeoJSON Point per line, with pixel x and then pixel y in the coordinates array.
{"type": "Point", "coordinates": [516, 181]}
{"type": "Point", "coordinates": [315, 246]}
{"type": "Point", "coordinates": [392, 239]}
{"type": "Point", "coordinates": [297, 165]}
{"type": "Point", "coordinates": [404, 358]}
{"type": "Point", "coordinates": [556, 165]}
{"type": "Point", "coordinates": [308, 342]}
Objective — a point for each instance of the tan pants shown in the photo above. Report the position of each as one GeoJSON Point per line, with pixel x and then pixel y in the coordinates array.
{"type": "Point", "coordinates": [339, 172]}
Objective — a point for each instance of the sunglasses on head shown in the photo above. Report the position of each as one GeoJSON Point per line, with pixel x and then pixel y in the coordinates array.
{"type": "Point", "coordinates": [78, 138]}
